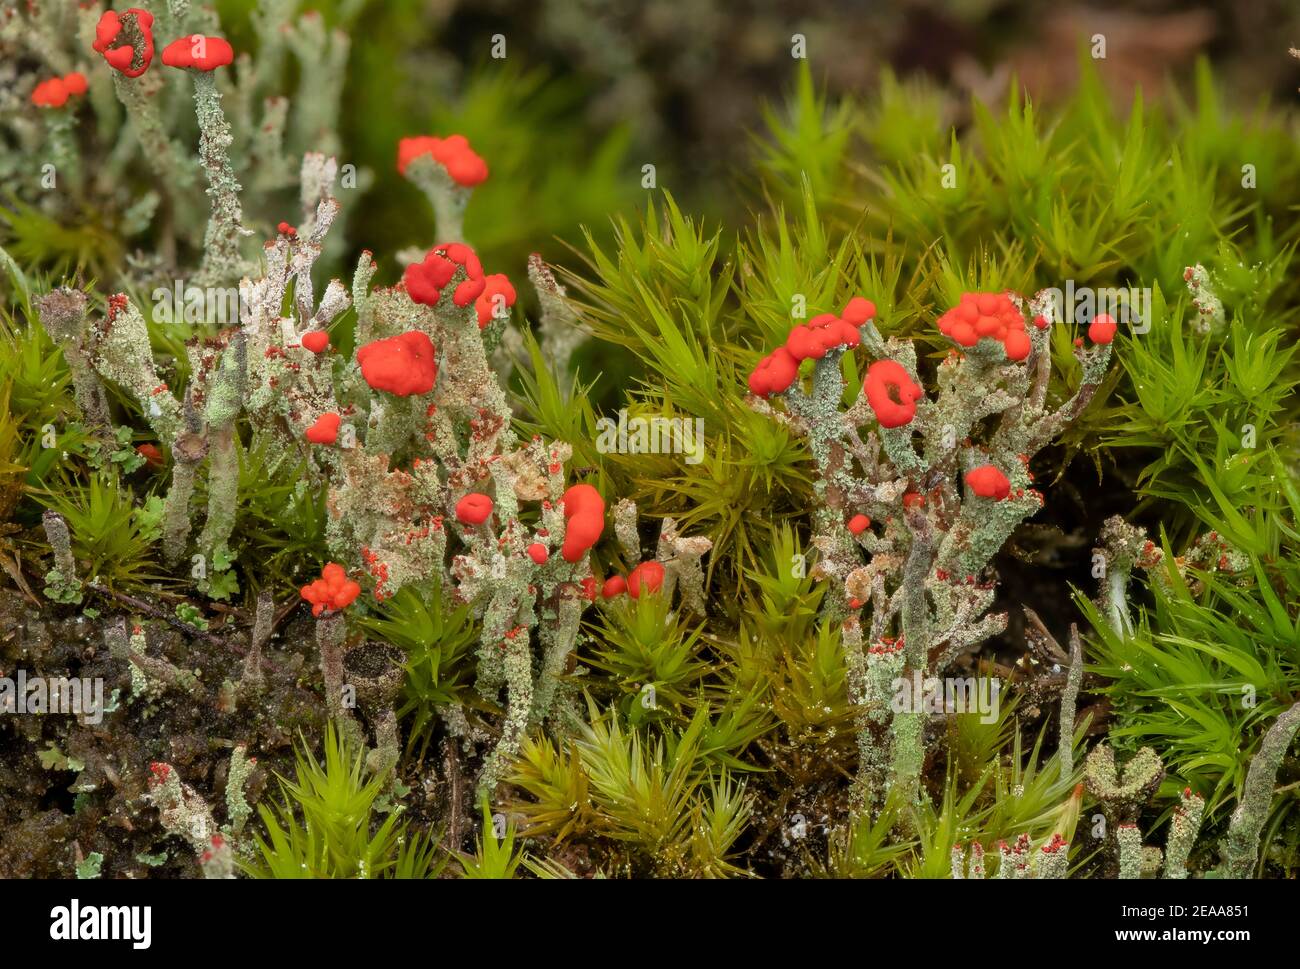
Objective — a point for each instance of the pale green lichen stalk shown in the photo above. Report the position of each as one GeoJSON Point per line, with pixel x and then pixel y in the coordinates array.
{"type": "Point", "coordinates": [1122, 791]}
{"type": "Point", "coordinates": [331, 632]}
{"type": "Point", "coordinates": [122, 354]}
{"type": "Point", "coordinates": [60, 133]}
{"type": "Point", "coordinates": [237, 774]}
{"type": "Point", "coordinates": [1122, 794]}
{"type": "Point", "coordinates": [140, 96]}
{"type": "Point", "coordinates": [224, 403]}
{"type": "Point", "coordinates": [263, 620]}
{"type": "Point", "coordinates": [222, 262]}
{"type": "Point", "coordinates": [562, 330]}
{"type": "Point", "coordinates": [61, 582]}
{"type": "Point", "coordinates": [925, 573]}
{"type": "Point", "coordinates": [184, 813]}
{"type": "Point", "coordinates": [324, 58]}
{"type": "Point", "coordinates": [448, 199]}
{"type": "Point", "coordinates": [1209, 308]}
{"type": "Point", "coordinates": [1069, 701]}
{"type": "Point", "coordinates": [1241, 850]}
{"type": "Point", "coordinates": [189, 450]}
{"type": "Point", "coordinates": [63, 314]}
{"type": "Point", "coordinates": [1129, 839]}
{"type": "Point", "coordinates": [1184, 826]}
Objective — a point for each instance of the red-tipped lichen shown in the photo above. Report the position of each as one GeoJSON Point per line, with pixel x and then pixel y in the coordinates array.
{"type": "Point", "coordinates": [126, 40]}
{"type": "Point", "coordinates": [401, 365]}
{"type": "Point", "coordinates": [198, 53]}
{"type": "Point", "coordinates": [648, 577]}
{"type": "Point", "coordinates": [988, 482]}
{"type": "Point", "coordinates": [474, 509]}
{"type": "Point", "coordinates": [332, 591]}
{"type": "Point", "coordinates": [992, 316]}
{"type": "Point", "coordinates": [454, 153]}
{"type": "Point", "coordinates": [325, 430]}
{"type": "Point", "coordinates": [584, 511]}
{"type": "Point", "coordinates": [891, 393]}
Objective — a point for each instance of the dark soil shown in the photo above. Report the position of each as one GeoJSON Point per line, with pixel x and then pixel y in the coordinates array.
{"type": "Point", "coordinates": [68, 789]}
